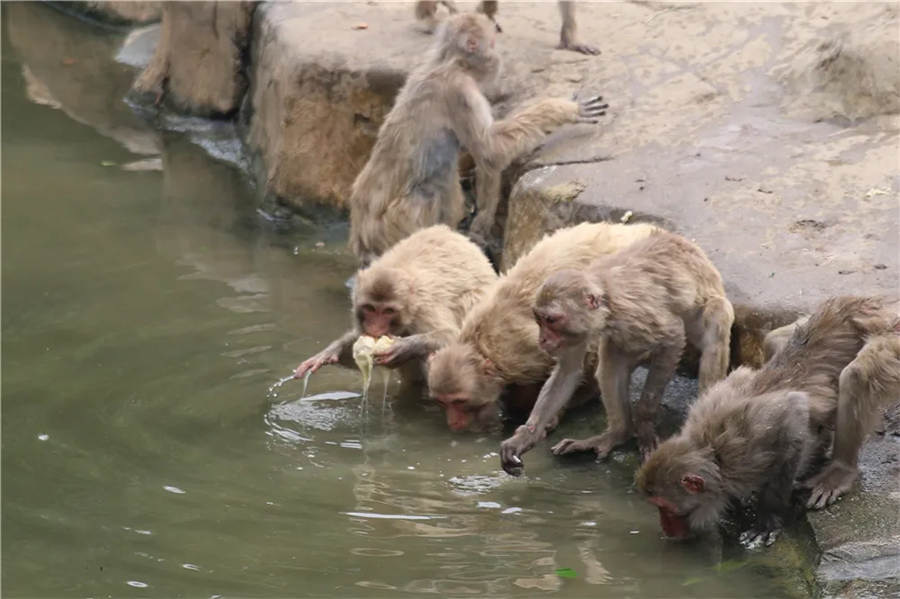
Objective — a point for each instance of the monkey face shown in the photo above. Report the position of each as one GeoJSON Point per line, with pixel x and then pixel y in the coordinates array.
{"type": "Point", "coordinates": [556, 332]}
{"type": "Point", "coordinates": [672, 523]}
{"type": "Point", "coordinates": [465, 385]}
{"type": "Point", "coordinates": [380, 318]}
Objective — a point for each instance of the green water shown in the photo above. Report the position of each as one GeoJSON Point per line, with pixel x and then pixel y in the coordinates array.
{"type": "Point", "coordinates": [145, 315]}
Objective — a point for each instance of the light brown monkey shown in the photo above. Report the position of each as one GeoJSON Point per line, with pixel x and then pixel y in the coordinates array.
{"type": "Point", "coordinates": [778, 338]}
{"type": "Point", "coordinates": [411, 179]}
{"type": "Point", "coordinates": [498, 344]}
{"type": "Point", "coordinates": [426, 12]}
{"type": "Point", "coordinates": [419, 290]}
{"type": "Point", "coordinates": [639, 305]}
{"type": "Point", "coordinates": [568, 35]}
{"type": "Point", "coordinates": [756, 431]}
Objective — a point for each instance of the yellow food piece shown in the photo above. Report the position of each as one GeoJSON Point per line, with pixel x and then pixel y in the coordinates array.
{"type": "Point", "coordinates": [363, 350]}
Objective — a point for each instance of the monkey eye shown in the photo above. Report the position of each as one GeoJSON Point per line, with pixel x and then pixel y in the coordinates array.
{"type": "Point", "coordinates": [549, 319]}
{"type": "Point", "coordinates": [389, 311]}
{"type": "Point", "coordinates": [369, 308]}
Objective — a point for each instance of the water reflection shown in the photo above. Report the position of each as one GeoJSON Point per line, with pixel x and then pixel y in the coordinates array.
{"type": "Point", "coordinates": [146, 316]}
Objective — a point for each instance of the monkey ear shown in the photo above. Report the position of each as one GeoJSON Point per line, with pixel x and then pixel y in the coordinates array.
{"type": "Point", "coordinates": [488, 368]}
{"type": "Point", "coordinates": [693, 483]}
{"type": "Point", "coordinates": [592, 300]}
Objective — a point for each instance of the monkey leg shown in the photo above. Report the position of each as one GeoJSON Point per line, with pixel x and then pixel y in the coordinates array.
{"type": "Point", "coordinates": [717, 317]}
{"type": "Point", "coordinates": [660, 372]}
{"type": "Point", "coordinates": [614, 375]}
{"type": "Point", "coordinates": [568, 35]}
{"type": "Point", "coordinates": [868, 385]}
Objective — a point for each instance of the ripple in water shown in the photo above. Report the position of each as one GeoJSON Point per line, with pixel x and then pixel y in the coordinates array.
{"type": "Point", "coordinates": [137, 584]}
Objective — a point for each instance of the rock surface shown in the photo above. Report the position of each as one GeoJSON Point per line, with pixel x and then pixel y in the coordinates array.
{"type": "Point", "coordinates": [198, 67]}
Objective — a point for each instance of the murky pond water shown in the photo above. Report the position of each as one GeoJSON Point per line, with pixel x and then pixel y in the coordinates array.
{"type": "Point", "coordinates": [145, 317]}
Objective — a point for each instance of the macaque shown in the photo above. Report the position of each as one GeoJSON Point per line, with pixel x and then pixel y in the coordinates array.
{"type": "Point", "coordinates": [568, 35]}
{"type": "Point", "coordinates": [418, 291]}
{"type": "Point", "coordinates": [498, 345]}
{"type": "Point", "coordinates": [778, 338]}
{"type": "Point", "coordinates": [411, 180]}
{"type": "Point", "coordinates": [757, 432]}
{"type": "Point", "coordinates": [637, 306]}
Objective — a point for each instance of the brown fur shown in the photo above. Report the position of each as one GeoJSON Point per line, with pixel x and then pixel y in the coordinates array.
{"type": "Point", "coordinates": [640, 305]}
{"type": "Point", "coordinates": [426, 11]}
{"type": "Point", "coordinates": [411, 179]}
{"type": "Point", "coordinates": [498, 341]}
{"type": "Point", "coordinates": [431, 279]}
{"type": "Point", "coordinates": [757, 430]}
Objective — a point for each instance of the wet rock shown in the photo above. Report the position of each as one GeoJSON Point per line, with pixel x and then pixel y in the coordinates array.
{"type": "Point", "coordinates": [199, 64]}
{"type": "Point", "coordinates": [859, 536]}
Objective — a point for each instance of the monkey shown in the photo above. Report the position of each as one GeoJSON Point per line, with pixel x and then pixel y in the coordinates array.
{"type": "Point", "coordinates": [568, 34]}
{"type": "Point", "coordinates": [410, 180]}
{"type": "Point", "coordinates": [497, 346]}
{"type": "Point", "coordinates": [637, 306]}
{"type": "Point", "coordinates": [757, 431]}
{"type": "Point", "coordinates": [418, 291]}
{"type": "Point", "coordinates": [777, 338]}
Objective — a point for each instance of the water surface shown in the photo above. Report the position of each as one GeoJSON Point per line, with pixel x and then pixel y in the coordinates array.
{"type": "Point", "coordinates": [145, 316]}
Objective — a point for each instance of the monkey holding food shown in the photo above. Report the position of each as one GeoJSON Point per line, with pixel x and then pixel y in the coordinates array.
{"type": "Point", "coordinates": [411, 179]}
{"type": "Point", "coordinates": [638, 305]}
{"type": "Point", "coordinates": [419, 290]}
{"type": "Point", "coordinates": [426, 12]}
{"type": "Point", "coordinates": [757, 432]}
{"type": "Point", "coordinates": [498, 349]}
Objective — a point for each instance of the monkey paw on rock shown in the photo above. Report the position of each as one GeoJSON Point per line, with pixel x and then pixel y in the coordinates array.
{"type": "Point", "coordinates": [827, 486]}
{"type": "Point", "coordinates": [591, 109]}
{"type": "Point", "coordinates": [601, 445]}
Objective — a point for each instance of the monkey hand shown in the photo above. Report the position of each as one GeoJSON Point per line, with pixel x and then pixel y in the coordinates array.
{"type": "Point", "coordinates": [402, 350]}
{"type": "Point", "coordinates": [327, 356]}
{"type": "Point", "coordinates": [763, 535]}
{"type": "Point", "coordinates": [591, 109]}
{"type": "Point", "coordinates": [511, 449]}
{"type": "Point", "coordinates": [827, 486]}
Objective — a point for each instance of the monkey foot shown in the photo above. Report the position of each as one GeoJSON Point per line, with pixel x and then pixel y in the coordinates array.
{"type": "Point", "coordinates": [647, 441]}
{"type": "Point", "coordinates": [830, 484]}
{"type": "Point", "coordinates": [756, 539]}
{"type": "Point", "coordinates": [601, 445]}
{"type": "Point", "coordinates": [579, 47]}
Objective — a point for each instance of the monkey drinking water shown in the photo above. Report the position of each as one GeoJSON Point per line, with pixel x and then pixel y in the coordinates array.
{"type": "Point", "coordinates": [417, 292]}
{"type": "Point", "coordinates": [411, 180]}
{"type": "Point", "coordinates": [639, 305]}
{"type": "Point", "coordinates": [756, 432]}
